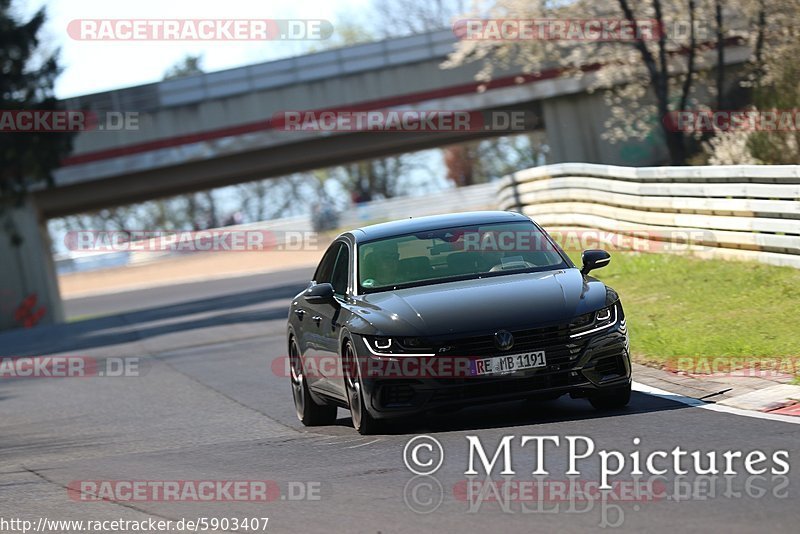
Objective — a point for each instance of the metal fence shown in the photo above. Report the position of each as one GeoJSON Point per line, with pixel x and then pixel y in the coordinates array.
{"type": "Point", "coordinates": [743, 212]}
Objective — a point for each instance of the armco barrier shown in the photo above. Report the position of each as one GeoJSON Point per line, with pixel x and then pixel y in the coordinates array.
{"type": "Point", "coordinates": [744, 212]}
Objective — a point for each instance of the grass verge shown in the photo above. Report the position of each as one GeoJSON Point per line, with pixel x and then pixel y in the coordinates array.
{"type": "Point", "coordinates": [683, 309]}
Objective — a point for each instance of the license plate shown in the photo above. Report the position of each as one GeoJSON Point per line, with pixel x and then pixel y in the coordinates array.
{"type": "Point", "coordinates": [501, 365]}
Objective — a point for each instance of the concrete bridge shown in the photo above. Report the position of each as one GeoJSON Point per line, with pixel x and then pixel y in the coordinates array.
{"type": "Point", "coordinates": [217, 129]}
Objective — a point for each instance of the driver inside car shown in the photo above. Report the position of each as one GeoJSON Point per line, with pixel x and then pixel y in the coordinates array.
{"type": "Point", "coordinates": [380, 266]}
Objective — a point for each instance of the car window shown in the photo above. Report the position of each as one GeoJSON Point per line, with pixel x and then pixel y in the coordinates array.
{"type": "Point", "coordinates": [325, 269]}
{"type": "Point", "coordinates": [340, 270]}
{"type": "Point", "coordinates": [455, 253]}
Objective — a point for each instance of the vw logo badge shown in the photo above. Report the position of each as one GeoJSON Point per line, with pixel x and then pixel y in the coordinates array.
{"type": "Point", "coordinates": [503, 339]}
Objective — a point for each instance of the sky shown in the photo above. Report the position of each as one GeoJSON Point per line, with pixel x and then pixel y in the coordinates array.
{"type": "Point", "coordinates": [91, 67]}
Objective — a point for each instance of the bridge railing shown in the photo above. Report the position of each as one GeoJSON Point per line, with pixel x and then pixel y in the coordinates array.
{"type": "Point", "coordinates": [321, 65]}
{"type": "Point", "coordinates": [743, 212]}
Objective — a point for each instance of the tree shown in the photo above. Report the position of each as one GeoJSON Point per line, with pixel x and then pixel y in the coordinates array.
{"type": "Point", "coordinates": [188, 66]}
{"type": "Point", "coordinates": [460, 162]}
{"type": "Point", "coordinates": [776, 88]}
{"type": "Point", "coordinates": [476, 162]}
{"type": "Point", "coordinates": [27, 81]}
{"type": "Point", "coordinates": [347, 33]}
{"type": "Point", "coordinates": [395, 18]}
{"type": "Point", "coordinates": [375, 178]}
{"type": "Point", "coordinates": [643, 80]}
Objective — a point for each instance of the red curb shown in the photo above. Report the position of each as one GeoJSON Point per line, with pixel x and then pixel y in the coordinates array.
{"type": "Point", "coordinates": [793, 408]}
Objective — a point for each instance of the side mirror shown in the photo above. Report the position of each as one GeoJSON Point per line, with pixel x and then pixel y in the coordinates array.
{"type": "Point", "coordinates": [594, 259]}
{"type": "Point", "coordinates": [319, 293]}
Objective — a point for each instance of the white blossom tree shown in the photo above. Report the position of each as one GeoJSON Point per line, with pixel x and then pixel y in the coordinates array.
{"type": "Point", "coordinates": [643, 80]}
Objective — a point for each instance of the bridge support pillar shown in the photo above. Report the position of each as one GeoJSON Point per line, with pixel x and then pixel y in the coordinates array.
{"type": "Point", "coordinates": [575, 125]}
{"type": "Point", "coordinates": [29, 292]}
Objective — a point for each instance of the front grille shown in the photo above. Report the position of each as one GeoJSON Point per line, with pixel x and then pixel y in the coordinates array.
{"type": "Point", "coordinates": [477, 388]}
{"type": "Point", "coordinates": [561, 351]}
{"type": "Point", "coordinates": [536, 337]}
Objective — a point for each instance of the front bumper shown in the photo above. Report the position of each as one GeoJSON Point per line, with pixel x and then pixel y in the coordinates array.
{"type": "Point", "coordinates": [596, 362]}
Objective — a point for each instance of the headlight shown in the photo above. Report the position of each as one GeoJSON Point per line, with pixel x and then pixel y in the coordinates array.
{"type": "Point", "coordinates": [602, 315]}
{"type": "Point", "coordinates": [592, 322]}
{"type": "Point", "coordinates": [383, 344]}
{"type": "Point", "coordinates": [397, 346]}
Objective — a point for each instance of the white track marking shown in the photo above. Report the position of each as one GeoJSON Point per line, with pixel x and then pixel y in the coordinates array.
{"type": "Point", "coordinates": [346, 439]}
{"type": "Point", "coordinates": [650, 390]}
{"type": "Point", "coordinates": [363, 444]}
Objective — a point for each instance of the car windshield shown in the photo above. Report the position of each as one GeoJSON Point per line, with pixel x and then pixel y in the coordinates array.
{"type": "Point", "coordinates": [454, 254]}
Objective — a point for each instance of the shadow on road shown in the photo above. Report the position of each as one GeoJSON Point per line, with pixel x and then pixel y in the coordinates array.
{"type": "Point", "coordinates": [213, 304]}
{"type": "Point", "coordinates": [520, 413]}
{"type": "Point", "coordinates": [129, 327]}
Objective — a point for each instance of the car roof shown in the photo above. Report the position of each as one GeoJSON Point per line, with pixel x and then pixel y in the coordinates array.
{"type": "Point", "coordinates": [433, 222]}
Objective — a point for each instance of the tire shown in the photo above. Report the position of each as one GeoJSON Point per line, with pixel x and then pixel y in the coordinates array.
{"type": "Point", "coordinates": [308, 411]}
{"type": "Point", "coordinates": [612, 399]}
{"type": "Point", "coordinates": [363, 422]}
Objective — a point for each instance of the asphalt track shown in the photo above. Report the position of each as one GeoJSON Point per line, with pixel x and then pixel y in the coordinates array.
{"type": "Point", "coordinates": [207, 405]}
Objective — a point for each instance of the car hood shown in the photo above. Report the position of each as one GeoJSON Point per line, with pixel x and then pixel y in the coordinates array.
{"type": "Point", "coordinates": [512, 301]}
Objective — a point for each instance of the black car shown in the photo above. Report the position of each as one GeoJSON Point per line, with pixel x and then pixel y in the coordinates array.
{"type": "Point", "coordinates": [440, 312]}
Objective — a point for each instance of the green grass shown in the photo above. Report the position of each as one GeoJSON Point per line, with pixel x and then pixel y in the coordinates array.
{"type": "Point", "coordinates": [684, 307]}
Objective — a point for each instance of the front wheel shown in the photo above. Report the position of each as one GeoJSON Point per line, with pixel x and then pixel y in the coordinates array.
{"type": "Point", "coordinates": [308, 411]}
{"type": "Point", "coordinates": [611, 399]}
{"type": "Point", "coordinates": [362, 420]}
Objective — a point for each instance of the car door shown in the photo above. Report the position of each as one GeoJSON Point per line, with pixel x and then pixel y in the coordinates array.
{"type": "Point", "coordinates": [325, 322]}
{"type": "Point", "coordinates": [311, 336]}
{"type": "Point", "coordinates": [332, 319]}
